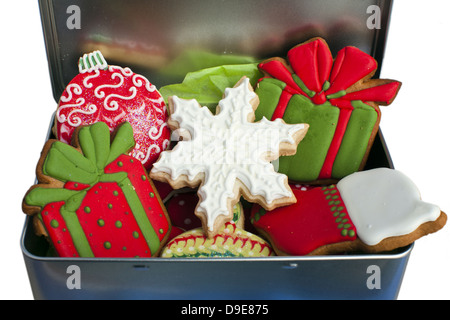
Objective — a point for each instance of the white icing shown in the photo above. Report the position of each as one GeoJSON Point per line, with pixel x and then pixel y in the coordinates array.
{"type": "Point", "coordinates": [98, 90]}
{"type": "Point", "coordinates": [86, 80]}
{"type": "Point", "coordinates": [139, 80]}
{"type": "Point", "coordinates": [226, 147]}
{"type": "Point", "coordinates": [384, 203]}
{"type": "Point", "coordinates": [76, 89]}
{"type": "Point", "coordinates": [114, 105]}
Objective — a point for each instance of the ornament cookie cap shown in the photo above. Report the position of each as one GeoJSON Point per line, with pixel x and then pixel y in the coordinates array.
{"type": "Point", "coordinates": [92, 61]}
{"type": "Point", "coordinates": [114, 95]}
{"type": "Point", "coordinates": [227, 155]}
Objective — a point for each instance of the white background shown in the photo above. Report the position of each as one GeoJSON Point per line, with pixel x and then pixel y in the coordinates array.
{"type": "Point", "coordinates": [416, 128]}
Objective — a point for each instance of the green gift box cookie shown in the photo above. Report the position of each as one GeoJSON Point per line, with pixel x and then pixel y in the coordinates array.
{"type": "Point", "coordinates": [336, 97]}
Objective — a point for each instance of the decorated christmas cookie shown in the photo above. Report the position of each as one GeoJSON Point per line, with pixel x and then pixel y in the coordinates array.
{"type": "Point", "coordinates": [114, 95]}
{"type": "Point", "coordinates": [229, 242]}
{"type": "Point", "coordinates": [95, 200]}
{"type": "Point", "coordinates": [336, 97]}
{"type": "Point", "coordinates": [227, 155]}
{"type": "Point", "coordinates": [370, 211]}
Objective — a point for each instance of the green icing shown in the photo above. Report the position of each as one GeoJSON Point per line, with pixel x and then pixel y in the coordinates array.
{"type": "Point", "coordinates": [122, 140]}
{"type": "Point", "coordinates": [76, 231]}
{"type": "Point", "coordinates": [269, 91]}
{"type": "Point", "coordinates": [355, 140]}
{"type": "Point", "coordinates": [307, 163]}
{"type": "Point", "coordinates": [337, 95]}
{"type": "Point", "coordinates": [303, 86]}
{"type": "Point", "coordinates": [140, 215]}
{"type": "Point", "coordinates": [41, 196]}
{"type": "Point", "coordinates": [54, 223]}
{"type": "Point", "coordinates": [101, 143]}
{"type": "Point", "coordinates": [67, 164]}
{"type": "Point", "coordinates": [87, 144]}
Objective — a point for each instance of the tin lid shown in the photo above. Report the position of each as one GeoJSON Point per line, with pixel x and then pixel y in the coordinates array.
{"type": "Point", "coordinates": [165, 39]}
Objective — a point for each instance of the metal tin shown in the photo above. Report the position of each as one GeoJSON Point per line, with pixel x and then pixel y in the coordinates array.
{"type": "Point", "coordinates": [162, 29]}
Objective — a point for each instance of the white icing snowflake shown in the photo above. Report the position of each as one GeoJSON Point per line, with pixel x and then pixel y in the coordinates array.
{"type": "Point", "coordinates": [228, 147]}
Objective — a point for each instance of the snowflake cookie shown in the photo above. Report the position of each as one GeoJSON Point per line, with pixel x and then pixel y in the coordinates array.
{"type": "Point", "coordinates": [227, 155]}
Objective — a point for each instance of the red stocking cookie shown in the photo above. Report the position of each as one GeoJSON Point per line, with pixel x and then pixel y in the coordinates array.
{"type": "Point", "coordinates": [371, 211]}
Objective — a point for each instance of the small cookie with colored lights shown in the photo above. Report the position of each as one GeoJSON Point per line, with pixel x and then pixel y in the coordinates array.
{"type": "Point", "coordinates": [371, 211]}
{"type": "Point", "coordinates": [95, 200]}
{"type": "Point", "coordinates": [231, 241]}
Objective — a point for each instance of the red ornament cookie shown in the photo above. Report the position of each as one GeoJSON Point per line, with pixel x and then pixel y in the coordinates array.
{"type": "Point", "coordinates": [94, 200]}
{"type": "Point", "coordinates": [114, 95]}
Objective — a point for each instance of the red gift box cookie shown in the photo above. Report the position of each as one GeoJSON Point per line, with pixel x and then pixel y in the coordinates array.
{"type": "Point", "coordinates": [336, 97]}
{"type": "Point", "coordinates": [95, 200]}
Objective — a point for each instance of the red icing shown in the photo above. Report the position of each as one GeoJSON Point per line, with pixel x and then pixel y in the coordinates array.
{"type": "Point", "coordinates": [350, 66]}
{"type": "Point", "coordinates": [145, 111]}
{"type": "Point", "coordinates": [313, 63]}
{"type": "Point", "coordinates": [282, 105]}
{"type": "Point", "coordinates": [279, 71]}
{"type": "Point", "coordinates": [311, 223]}
{"type": "Point", "coordinates": [145, 191]}
{"type": "Point", "coordinates": [381, 94]}
{"type": "Point", "coordinates": [64, 245]}
{"type": "Point", "coordinates": [327, 168]}
{"type": "Point", "coordinates": [108, 223]}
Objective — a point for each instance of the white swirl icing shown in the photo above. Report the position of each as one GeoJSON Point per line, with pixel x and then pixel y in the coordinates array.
{"type": "Point", "coordinates": [61, 117]}
{"type": "Point", "coordinates": [139, 80]}
{"type": "Point", "coordinates": [76, 90]}
{"type": "Point", "coordinates": [101, 94]}
{"type": "Point", "coordinates": [91, 110]}
{"type": "Point", "coordinates": [114, 105]}
{"type": "Point", "coordinates": [88, 78]}
{"type": "Point", "coordinates": [154, 130]}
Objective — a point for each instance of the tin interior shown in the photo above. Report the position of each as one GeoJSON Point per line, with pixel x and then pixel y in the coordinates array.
{"type": "Point", "coordinates": [164, 39]}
